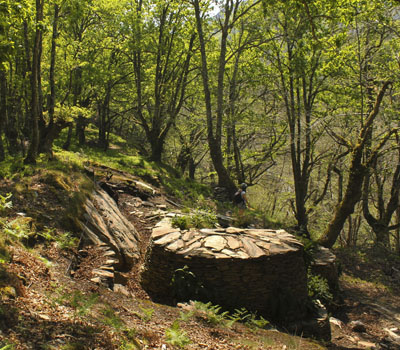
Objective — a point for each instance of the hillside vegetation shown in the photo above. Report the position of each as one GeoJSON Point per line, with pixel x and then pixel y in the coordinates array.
{"type": "Point", "coordinates": [297, 99]}
{"type": "Point", "coordinates": [45, 306]}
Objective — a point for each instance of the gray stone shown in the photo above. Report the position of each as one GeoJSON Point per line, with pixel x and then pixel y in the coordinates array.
{"type": "Point", "coordinates": [162, 231]}
{"type": "Point", "coordinates": [215, 242]}
{"type": "Point", "coordinates": [233, 243]}
{"type": "Point", "coordinates": [188, 236]}
{"type": "Point", "coordinates": [191, 247]}
{"type": "Point", "coordinates": [251, 248]}
{"type": "Point", "coordinates": [168, 238]}
{"type": "Point", "coordinates": [118, 288]}
{"type": "Point", "coordinates": [103, 273]}
{"type": "Point", "coordinates": [174, 246]}
{"type": "Point", "coordinates": [103, 223]}
{"type": "Point", "coordinates": [234, 230]}
{"type": "Point", "coordinates": [230, 253]}
{"type": "Point", "coordinates": [96, 280]}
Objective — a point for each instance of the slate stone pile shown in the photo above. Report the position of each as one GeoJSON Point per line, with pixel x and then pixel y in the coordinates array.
{"type": "Point", "coordinates": [259, 269]}
{"type": "Point", "coordinates": [103, 223]}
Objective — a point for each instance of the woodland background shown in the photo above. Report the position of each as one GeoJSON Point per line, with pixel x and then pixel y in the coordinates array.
{"type": "Point", "coordinates": [298, 98]}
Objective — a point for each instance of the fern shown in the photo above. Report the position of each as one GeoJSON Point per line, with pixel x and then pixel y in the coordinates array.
{"type": "Point", "coordinates": [177, 337]}
{"type": "Point", "coordinates": [250, 319]}
{"type": "Point", "coordinates": [17, 229]}
{"type": "Point", "coordinates": [147, 314]}
{"type": "Point", "coordinates": [5, 202]}
{"type": "Point", "coordinates": [212, 313]}
{"type": "Point", "coordinates": [111, 319]}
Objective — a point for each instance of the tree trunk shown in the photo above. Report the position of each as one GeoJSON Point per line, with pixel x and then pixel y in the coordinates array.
{"type": "Point", "coordinates": [157, 147]}
{"type": "Point", "coordinates": [67, 143]}
{"type": "Point", "coordinates": [35, 83]}
{"type": "Point", "coordinates": [350, 199]}
{"type": "Point", "coordinates": [80, 129]}
{"type": "Point", "coordinates": [192, 168]}
{"type": "Point", "coordinates": [358, 170]}
{"type": "Point", "coordinates": [52, 101]}
{"type": "Point", "coordinates": [52, 132]}
{"type": "Point", "coordinates": [3, 111]}
{"type": "Point", "coordinates": [214, 141]}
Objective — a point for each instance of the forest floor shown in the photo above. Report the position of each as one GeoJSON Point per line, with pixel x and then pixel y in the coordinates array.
{"type": "Point", "coordinates": [50, 308]}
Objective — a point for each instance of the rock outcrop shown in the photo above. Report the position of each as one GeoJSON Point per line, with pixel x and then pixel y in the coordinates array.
{"type": "Point", "coordinates": [261, 270]}
{"type": "Point", "coordinates": [103, 223]}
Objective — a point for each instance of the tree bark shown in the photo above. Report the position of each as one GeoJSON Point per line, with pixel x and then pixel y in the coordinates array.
{"type": "Point", "coordinates": [52, 101]}
{"type": "Point", "coordinates": [214, 139]}
{"type": "Point", "coordinates": [3, 111]}
{"type": "Point", "coordinates": [357, 173]}
{"type": "Point", "coordinates": [35, 84]}
{"type": "Point", "coordinates": [67, 143]}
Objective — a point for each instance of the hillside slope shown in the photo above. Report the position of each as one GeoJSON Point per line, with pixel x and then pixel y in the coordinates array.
{"type": "Point", "coordinates": [48, 300]}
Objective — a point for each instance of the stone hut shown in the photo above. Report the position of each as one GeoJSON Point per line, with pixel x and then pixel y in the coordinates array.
{"type": "Point", "coordinates": [260, 270]}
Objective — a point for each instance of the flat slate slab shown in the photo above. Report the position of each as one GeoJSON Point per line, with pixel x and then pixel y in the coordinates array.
{"type": "Point", "coordinates": [260, 269]}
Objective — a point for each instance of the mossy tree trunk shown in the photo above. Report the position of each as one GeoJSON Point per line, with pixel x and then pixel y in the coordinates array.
{"type": "Point", "coordinates": [357, 172]}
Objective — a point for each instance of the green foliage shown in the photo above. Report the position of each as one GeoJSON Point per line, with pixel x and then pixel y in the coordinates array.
{"type": "Point", "coordinates": [80, 302]}
{"type": "Point", "coordinates": [73, 346]}
{"type": "Point", "coordinates": [18, 229]}
{"type": "Point", "coordinates": [147, 314]}
{"type": "Point", "coordinates": [249, 318]}
{"type": "Point", "coordinates": [318, 288]}
{"type": "Point", "coordinates": [64, 240]}
{"type": "Point", "coordinates": [130, 345]}
{"type": "Point", "coordinates": [243, 218]}
{"type": "Point", "coordinates": [111, 319]}
{"type": "Point", "coordinates": [45, 261]}
{"type": "Point", "coordinates": [185, 285]}
{"type": "Point", "coordinates": [129, 340]}
{"type": "Point", "coordinates": [5, 202]}
{"type": "Point", "coordinates": [198, 219]}
{"type": "Point", "coordinates": [176, 337]}
{"type": "Point", "coordinates": [6, 346]}
{"type": "Point", "coordinates": [186, 316]}
{"type": "Point", "coordinates": [181, 222]}
{"type": "Point", "coordinates": [212, 313]}
{"type": "Point", "coordinates": [310, 248]}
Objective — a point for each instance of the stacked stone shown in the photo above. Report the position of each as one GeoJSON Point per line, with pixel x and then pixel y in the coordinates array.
{"type": "Point", "coordinates": [261, 270]}
{"type": "Point", "coordinates": [103, 223]}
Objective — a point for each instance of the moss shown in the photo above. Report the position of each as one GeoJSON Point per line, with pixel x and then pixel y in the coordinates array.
{"type": "Point", "coordinates": [58, 180]}
{"type": "Point", "coordinates": [7, 292]}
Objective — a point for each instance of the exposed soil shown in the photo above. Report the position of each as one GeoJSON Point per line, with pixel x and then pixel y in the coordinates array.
{"type": "Point", "coordinates": [49, 307]}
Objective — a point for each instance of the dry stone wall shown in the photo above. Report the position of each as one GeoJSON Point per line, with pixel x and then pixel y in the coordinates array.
{"type": "Point", "coordinates": [261, 270]}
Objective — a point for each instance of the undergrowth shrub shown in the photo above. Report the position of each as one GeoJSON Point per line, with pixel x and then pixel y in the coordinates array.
{"type": "Point", "coordinates": [6, 346]}
{"type": "Point", "coordinates": [5, 203]}
{"type": "Point", "coordinates": [250, 319]}
{"type": "Point", "coordinates": [176, 336]}
{"type": "Point", "coordinates": [19, 229]}
{"type": "Point", "coordinates": [111, 319]}
{"type": "Point", "coordinates": [185, 285]}
{"type": "Point", "coordinates": [318, 289]}
{"type": "Point", "coordinates": [147, 314]}
{"type": "Point", "coordinates": [195, 220]}
{"type": "Point", "coordinates": [64, 240]}
{"type": "Point", "coordinates": [211, 313]}
{"type": "Point", "coordinates": [243, 218]}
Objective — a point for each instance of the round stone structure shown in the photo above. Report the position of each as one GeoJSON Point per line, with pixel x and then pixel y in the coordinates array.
{"type": "Point", "coordinates": [261, 270]}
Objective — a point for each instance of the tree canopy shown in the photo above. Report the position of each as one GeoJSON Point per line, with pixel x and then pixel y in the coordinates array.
{"type": "Point", "coordinates": [298, 98]}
